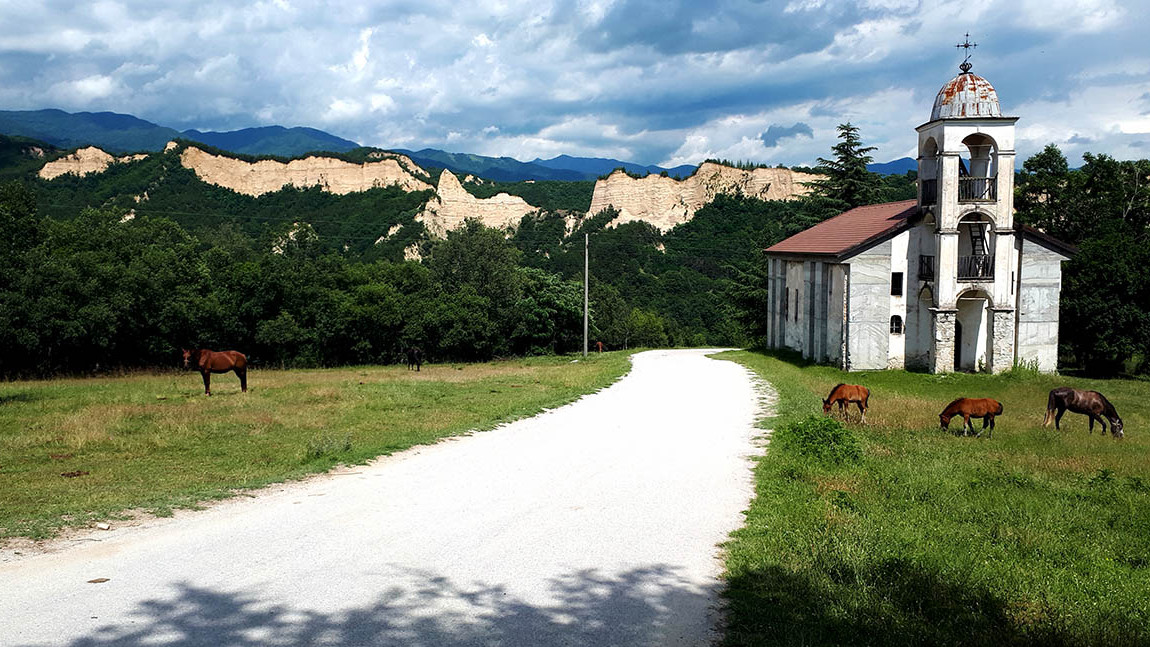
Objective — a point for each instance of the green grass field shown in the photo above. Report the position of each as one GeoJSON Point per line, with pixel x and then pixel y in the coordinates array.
{"type": "Point", "coordinates": [155, 442]}
{"type": "Point", "coordinates": [1034, 537]}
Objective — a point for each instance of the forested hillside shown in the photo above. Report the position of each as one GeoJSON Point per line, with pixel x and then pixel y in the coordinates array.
{"type": "Point", "coordinates": [120, 268]}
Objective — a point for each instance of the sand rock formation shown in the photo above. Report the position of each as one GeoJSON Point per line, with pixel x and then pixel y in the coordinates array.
{"type": "Point", "coordinates": [452, 205]}
{"type": "Point", "coordinates": [665, 202]}
{"type": "Point", "coordinates": [82, 162]}
{"type": "Point", "coordinates": [334, 175]}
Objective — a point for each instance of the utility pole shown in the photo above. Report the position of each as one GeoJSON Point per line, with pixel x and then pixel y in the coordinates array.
{"type": "Point", "coordinates": [586, 276]}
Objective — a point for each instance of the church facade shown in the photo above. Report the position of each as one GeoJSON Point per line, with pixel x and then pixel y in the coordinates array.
{"type": "Point", "coordinates": [946, 282]}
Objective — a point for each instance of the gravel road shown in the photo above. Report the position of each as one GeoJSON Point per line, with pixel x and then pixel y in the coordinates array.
{"type": "Point", "coordinates": [593, 524]}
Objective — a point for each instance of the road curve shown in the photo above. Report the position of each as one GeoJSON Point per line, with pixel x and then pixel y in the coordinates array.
{"type": "Point", "coordinates": [595, 523]}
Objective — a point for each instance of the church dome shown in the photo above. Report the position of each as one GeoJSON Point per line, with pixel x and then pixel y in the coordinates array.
{"type": "Point", "coordinates": [966, 96]}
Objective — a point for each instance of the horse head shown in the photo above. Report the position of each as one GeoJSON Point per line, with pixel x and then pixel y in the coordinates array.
{"type": "Point", "coordinates": [189, 357]}
{"type": "Point", "coordinates": [827, 405]}
{"type": "Point", "coordinates": [944, 420]}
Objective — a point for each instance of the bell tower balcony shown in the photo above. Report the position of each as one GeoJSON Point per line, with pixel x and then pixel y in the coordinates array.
{"type": "Point", "coordinates": [977, 189]}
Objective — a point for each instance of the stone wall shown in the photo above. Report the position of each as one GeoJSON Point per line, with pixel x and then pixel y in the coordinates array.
{"type": "Point", "coordinates": [943, 330]}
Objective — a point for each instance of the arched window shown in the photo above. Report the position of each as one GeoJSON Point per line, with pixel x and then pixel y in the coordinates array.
{"type": "Point", "coordinates": [896, 325]}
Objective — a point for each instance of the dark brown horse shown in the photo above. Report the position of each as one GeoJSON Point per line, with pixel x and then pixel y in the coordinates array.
{"type": "Point", "coordinates": [968, 408]}
{"type": "Point", "coordinates": [846, 394]}
{"type": "Point", "coordinates": [414, 358]}
{"type": "Point", "coordinates": [1090, 403]}
{"type": "Point", "coordinates": [210, 361]}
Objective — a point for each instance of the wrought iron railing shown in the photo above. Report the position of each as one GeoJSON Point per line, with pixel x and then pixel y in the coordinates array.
{"type": "Point", "coordinates": [977, 189]}
{"type": "Point", "coordinates": [929, 191]}
{"type": "Point", "coordinates": [974, 268]}
{"type": "Point", "coordinates": [925, 268]}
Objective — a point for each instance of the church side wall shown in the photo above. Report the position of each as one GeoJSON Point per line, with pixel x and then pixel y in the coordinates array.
{"type": "Point", "coordinates": [1039, 286]}
{"type": "Point", "coordinates": [795, 328]}
{"type": "Point", "coordinates": [869, 325]}
{"type": "Point", "coordinates": [837, 308]}
{"type": "Point", "coordinates": [897, 342]}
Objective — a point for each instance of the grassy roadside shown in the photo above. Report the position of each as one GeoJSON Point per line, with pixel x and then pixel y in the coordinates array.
{"type": "Point", "coordinates": [156, 442]}
{"type": "Point", "coordinates": [1034, 537]}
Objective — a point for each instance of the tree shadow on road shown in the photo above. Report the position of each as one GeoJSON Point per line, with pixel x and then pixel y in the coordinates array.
{"type": "Point", "coordinates": [642, 606]}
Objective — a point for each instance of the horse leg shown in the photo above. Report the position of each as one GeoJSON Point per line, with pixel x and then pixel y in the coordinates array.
{"type": "Point", "coordinates": [966, 423]}
{"type": "Point", "coordinates": [1102, 421]}
{"type": "Point", "coordinates": [990, 434]}
{"type": "Point", "coordinates": [207, 382]}
{"type": "Point", "coordinates": [1058, 418]}
{"type": "Point", "coordinates": [862, 411]}
{"type": "Point", "coordinates": [243, 375]}
{"type": "Point", "coordinates": [1091, 415]}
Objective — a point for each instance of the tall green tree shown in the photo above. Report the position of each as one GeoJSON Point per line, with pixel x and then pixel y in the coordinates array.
{"type": "Point", "coordinates": [848, 183]}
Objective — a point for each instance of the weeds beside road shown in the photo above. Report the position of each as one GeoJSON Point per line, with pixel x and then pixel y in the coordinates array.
{"type": "Point", "coordinates": [155, 442]}
{"type": "Point", "coordinates": [1034, 537]}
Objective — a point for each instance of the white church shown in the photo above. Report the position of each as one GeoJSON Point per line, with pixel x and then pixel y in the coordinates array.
{"type": "Point", "coordinates": [947, 282]}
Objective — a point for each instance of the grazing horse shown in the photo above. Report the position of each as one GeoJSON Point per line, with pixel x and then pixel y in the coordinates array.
{"type": "Point", "coordinates": [210, 361]}
{"type": "Point", "coordinates": [968, 408]}
{"type": "Point", "coordinates": [845, 394]}
{"type": "Point", "coordinates": [414, 358]}
{"type": "Point", "coordinates": [1091, 403]}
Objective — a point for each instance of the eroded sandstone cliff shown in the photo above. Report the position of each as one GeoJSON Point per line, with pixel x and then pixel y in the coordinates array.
{"type": "Point", "coordinates": [334, 175]}
{"type": "Point", "coordinates": [452, 205]}
{"type": "Point", "coordinates": [82, 162]}
{"type": "Point", "coordinates": [666, 202]}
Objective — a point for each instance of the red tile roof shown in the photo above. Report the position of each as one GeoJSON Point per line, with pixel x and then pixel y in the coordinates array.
{"type": "Point", "coordinates": [849, 230]}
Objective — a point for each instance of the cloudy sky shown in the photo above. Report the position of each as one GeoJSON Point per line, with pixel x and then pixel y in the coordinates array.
{"type": "Point", "coordinates": [652, 82]}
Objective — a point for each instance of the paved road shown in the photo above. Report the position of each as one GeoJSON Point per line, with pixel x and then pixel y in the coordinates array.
{"type": "Point", "coordinates": [595, 523]}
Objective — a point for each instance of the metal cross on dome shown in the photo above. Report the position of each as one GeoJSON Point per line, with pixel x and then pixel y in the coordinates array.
{"type": "Point", "coordinates": [967, 45]}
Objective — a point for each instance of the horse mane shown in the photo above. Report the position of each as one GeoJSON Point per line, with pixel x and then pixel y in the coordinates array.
{"type": "Point", "coordinates": [835, 387]}
{"type": "Point", "coordinates": [1108, 409]}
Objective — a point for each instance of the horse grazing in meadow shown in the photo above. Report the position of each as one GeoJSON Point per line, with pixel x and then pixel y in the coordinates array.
{"type": "Point", "coordinates": [1090, 403]}
{"type": "Point", "coordinates": [968, 408]}
{"type": "Point", "coordinates": [210, 361]}
{"type": "Point", "coordinates": [414, 358]}
{"type": "Point", "coordinates": [846, 394]}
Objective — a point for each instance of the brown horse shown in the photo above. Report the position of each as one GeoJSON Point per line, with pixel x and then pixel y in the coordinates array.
{"type": "Point", "coordinates": [210, 361]}
{"type": "Point", "coordinates": [845, 394]}
{"type": "Point", "coordinates": [1091, 403]}
{"type": "Point", "coordinates": [968, 408]}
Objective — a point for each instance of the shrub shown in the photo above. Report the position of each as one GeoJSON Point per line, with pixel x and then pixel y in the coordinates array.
{"type": "Point", "coordinates": [824, 439]}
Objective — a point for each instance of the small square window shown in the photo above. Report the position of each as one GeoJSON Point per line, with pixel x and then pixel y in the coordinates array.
{"type": "Point", "coordinates": [896, 325]}
{"type": "Point", "coordinates": [896, 284]}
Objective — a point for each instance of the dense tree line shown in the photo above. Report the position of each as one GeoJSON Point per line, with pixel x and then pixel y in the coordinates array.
{"type": "Point", "coordinates": [99, 290]}
{"type": "Point", "coordinates": [1103, 208]}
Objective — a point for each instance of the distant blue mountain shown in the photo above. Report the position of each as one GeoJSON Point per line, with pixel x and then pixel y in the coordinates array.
{"type": "Point", "coordinates": [500, 169]}
{"type": "Point", "coordinates": [119, 133]}
{"type": "Point", "coordinates": [272, 140]}
{"type": "Point", "coordinates": [597, 166]}
{"type": "Point", "coordinates": [894, 167]}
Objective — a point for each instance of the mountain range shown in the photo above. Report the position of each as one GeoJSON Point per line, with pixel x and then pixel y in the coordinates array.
{"type": "Point", "coordinates": [122, 133]}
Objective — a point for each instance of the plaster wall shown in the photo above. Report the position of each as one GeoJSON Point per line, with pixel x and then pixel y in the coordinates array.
{"type": "Point", "coordinates": [1039, 285]}
{"type": "Point", "coordinates": [869, 325]}
{"type": "Point", "coordinates": [837, 308]}
{"type": "Point", "coordinates": [900, 262]}
{"type": "Point", "coordinates": [972, 315]}
{"type": "Point", "coordinates": [794, 330]}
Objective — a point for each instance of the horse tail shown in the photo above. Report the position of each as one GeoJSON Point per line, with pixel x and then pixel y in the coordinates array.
{"type": "Point", "coordinates": [1000, 409]}
{"type": "Point", "coordinates": [1051, 405]}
